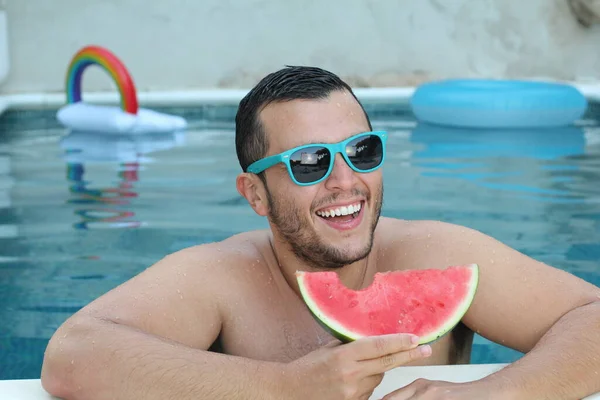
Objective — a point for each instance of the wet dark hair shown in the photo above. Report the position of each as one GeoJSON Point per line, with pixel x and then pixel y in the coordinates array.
{"type": "Point", "coordinates": [289, 83]}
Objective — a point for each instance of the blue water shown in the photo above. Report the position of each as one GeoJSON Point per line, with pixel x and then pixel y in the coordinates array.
{"type": "Point", "coordinates": [80, 214]}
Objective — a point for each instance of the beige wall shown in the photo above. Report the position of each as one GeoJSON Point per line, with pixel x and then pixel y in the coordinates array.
{"type": "Point", "coordinates": [191, 44]}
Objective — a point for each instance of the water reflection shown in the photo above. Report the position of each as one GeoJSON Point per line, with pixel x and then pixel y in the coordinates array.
{"type": "Point", "coordinates": [503, 159]}
{"type": "Point", "coordinates": [543, 144]}
{"type": "Point", "coordinates": [109, 207]}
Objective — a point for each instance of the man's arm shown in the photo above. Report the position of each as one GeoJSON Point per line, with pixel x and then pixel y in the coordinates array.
{"type": "Point", "coordinates": [147, 339]}
{"type": "Point", "coordinates": [529, 306]}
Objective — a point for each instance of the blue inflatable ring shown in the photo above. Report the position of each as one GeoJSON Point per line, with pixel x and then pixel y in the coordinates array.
{"type": "Point", "coordinates": [497, 103]}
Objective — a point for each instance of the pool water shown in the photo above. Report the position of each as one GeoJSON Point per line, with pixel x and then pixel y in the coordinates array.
{"type": "Point", "coordinates": [81, 213]}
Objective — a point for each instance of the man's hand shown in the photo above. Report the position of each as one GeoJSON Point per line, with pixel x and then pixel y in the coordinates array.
{"type": "Point", "coordinates": [352, 371]}
{"type": "Point", "coordinates": [423, 389]}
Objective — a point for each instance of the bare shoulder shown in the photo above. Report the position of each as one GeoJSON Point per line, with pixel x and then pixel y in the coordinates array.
{"type": "Point", "coordinates": [181, 296]}
{"type": "Point", "coordinates": [421, 244]}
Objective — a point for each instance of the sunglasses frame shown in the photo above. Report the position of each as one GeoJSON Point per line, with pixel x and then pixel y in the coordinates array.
{"type": "Point", "coordinates": [333, 148]}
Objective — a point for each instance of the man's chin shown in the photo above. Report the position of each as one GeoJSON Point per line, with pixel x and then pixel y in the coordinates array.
{"type": "Point", "coordinates": [349, 253]}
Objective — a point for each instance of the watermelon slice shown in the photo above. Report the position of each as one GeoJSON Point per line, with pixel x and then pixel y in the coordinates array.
{"type": "Point", "coordinates": [428, 303]}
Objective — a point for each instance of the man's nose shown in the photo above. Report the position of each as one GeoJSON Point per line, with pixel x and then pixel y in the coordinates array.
{"type": "Point", "coordinates": [342, 177]}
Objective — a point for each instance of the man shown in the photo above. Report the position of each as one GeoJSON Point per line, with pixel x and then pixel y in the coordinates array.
{"type": "Point", "coordinates": [150, 338]}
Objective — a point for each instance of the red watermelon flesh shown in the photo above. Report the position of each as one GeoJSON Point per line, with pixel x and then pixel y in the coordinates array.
{"type": "Point", "coordinates": [427, 303]}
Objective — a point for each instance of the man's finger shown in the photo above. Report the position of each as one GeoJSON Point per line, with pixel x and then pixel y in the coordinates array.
{"type": "Point", "coordinates": [333, 343]}
{"type": "Point", "coordinates": [406, 393]}
{"type": "Point", "coordinates": [378, 346]}
{"type": "Point", "coordinates": [394, 360]}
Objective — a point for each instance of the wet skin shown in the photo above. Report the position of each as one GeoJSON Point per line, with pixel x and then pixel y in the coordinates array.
{"type": "Point", "coordinates": [240, 295]}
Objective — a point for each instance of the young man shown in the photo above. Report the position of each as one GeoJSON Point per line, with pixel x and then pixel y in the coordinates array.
{"type": "Point", "coordinates": [312, 166]}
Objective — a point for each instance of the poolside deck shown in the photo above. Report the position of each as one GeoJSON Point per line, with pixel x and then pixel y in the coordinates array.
{"type": "Point", "coordinates": [31, 389]}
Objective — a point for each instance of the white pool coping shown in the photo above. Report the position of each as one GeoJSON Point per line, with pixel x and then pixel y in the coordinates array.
{"type": "Point", "coordinates": [31, 389]}
{"type": "Point", "coordinates": [219, 97]}
{"type": "Point", "coordinates": [181, 98]}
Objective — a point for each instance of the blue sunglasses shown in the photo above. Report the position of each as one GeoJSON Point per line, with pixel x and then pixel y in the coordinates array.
{"type": "Point", "coordinates": [311, 163]}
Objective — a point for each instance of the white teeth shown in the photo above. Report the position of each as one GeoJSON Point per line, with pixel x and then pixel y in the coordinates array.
{"type": "Point", "coordinates": [345, 210]}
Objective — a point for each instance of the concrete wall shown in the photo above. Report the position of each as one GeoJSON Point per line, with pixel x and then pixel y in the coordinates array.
{"type": "Point", "coordinates": [188, 44]}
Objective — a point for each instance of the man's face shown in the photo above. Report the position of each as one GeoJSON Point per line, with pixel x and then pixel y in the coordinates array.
{"type": "Point", "coordinates": [298, 213]}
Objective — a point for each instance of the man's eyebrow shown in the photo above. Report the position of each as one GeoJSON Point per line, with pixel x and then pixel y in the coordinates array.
{"type": "Point", "coordinates": [322, 142]}
{"type": "Point", "coordinates": [313, 142]}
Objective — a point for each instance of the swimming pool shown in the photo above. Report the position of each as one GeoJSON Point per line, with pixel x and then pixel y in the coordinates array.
{"type": "Point", "coordinates": [82, 213]}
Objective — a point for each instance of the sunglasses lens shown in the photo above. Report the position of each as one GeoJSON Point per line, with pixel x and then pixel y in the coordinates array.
{"type": "Point", "coordinates": [310, 164]}
{"type": "Point", "coordinates": [365, 152]}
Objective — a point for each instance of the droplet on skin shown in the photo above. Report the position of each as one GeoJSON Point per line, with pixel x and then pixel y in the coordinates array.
{"type": "Point", "coordinates": [429, 235]}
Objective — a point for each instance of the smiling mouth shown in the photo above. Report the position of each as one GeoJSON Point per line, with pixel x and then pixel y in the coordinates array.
{"type": "Point", "coordinates": [343, 214]}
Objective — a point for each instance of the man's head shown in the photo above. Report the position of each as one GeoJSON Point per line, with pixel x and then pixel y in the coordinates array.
{"type": "Point", "coordinates": [296, 106]}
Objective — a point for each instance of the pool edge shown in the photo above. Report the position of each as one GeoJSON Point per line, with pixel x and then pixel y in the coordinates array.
{"type": "Point", "coordinates": [184, 98]}
{"type": "Point", "coordinates": [31, 389]}
{"type": "Point", "coordinates": [4, 104]}
{"type": "Point", "coordinates": [221, 97]}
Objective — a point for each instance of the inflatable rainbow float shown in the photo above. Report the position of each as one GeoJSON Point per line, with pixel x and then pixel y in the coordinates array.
{"type": "Point", "coordinates": [128, 118]}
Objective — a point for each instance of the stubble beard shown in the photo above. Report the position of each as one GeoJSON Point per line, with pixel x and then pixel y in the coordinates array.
{"type": "Point", "coordinates": [294, 227]}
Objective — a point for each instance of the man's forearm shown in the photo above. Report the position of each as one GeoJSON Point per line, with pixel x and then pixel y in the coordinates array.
{"type": "Point", "coordinates": [565, 364]}
{"type": "Point", "coordinates": [107, 360]}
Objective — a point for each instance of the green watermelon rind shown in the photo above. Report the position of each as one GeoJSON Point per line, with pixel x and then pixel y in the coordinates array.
{"type": "Point", "coordinates": [345, 335]}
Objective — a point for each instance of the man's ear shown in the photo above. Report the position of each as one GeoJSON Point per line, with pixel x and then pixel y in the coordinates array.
{"type": "Point", "coordinates": [252, 188]}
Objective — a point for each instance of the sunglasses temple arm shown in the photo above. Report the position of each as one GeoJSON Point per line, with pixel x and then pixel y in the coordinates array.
{"type": "Point", "coordinates": [261, 165]}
